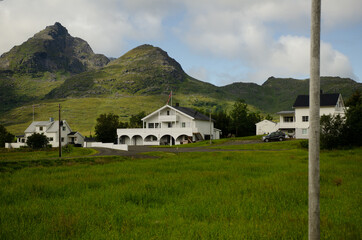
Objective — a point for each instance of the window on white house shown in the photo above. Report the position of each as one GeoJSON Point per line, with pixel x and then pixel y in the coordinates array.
{"type": "Point", "coordinates": [62, 139]}
{"type": "Point", "coordinates": [168, 112]}
{"type": "Point", "coordinates": [183, 124]}
{"type": "Point", "coordinates": [50, 139]}
{"type": "Point", "coordinates": [75, 139]}
{"type": "Point", "coordinates": [40, 128]}
{"type": "Point", "coordinates": [288, 119]}
{"type": "Point", "coordinates": [151, 125]}
{"type": "Point", "coordinates": [169, 125]}
{"type": "Point", "coordinates": [305, 118]}
{"type": "Point", "coordinates": [156, 125]}
{"type": "Point", "coordinates": [63, 128]}
{"type": "Point", "coordinates": [304, 131]}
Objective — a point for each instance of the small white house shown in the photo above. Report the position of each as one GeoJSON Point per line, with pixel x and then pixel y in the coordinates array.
{"type": "Point", "coordinates": [170, 125]}
{"type": "Point", "coordinates": [266, 127]}
{"type": "Point", "coordinates": [51, 130]}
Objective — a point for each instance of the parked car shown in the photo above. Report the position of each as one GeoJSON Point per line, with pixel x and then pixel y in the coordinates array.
{"type": "Point", "coordinates": [277, 136]}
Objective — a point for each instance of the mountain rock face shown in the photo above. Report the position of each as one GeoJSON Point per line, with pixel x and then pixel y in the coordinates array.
{"type": "Point", "coordinates": [144, 70]}
{"type": "Point", "coordinates": [52, 49]}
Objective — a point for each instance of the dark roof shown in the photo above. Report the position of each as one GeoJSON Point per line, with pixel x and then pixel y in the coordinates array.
{"type": "Point", "coordinates": [328, 99]}
{"type": "Point", "coordinates": [72, 133]}
{"type": "Point", "coordinates": [193, 113]}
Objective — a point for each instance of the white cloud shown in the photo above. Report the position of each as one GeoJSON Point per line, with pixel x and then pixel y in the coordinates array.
{"type": "Point", "coordinates": [251, 32]}
{"type": "Point", "coordinates": [106, 25]}
{"type": "Point", "coordinates": [267, 37]}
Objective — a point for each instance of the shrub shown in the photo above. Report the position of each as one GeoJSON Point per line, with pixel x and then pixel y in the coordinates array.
{"type": "Point", "coordinates": [37, 141]}
{"type": "Point", "coordinates": [304, 144]}
{"type": "Point", "coordinates": [68, 148]}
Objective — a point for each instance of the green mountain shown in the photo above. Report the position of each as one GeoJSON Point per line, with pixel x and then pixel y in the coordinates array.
{"type": "Point", "coordinates": [144, 70]}
{"type": "Point", "coordinates": [52, 49]}
{"type": "Point", "coordinates": [277, 94]}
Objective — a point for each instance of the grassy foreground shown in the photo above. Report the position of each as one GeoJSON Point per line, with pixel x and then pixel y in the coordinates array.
{"type": "Point", "coordinates": [215, 195]}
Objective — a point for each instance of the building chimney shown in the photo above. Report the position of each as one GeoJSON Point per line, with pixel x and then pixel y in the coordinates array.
{"type": "Point", "coordinates": [177, 104]}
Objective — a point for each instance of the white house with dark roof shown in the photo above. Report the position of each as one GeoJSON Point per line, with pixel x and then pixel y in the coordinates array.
{"type": "Point", "coordinates": [296, 122]}
{"type": "Point", "coordinates": [51, 130]}
{"type": "Point", "coordinates": [170, 125]}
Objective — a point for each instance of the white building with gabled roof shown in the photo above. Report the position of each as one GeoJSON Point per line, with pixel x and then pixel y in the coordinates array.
{"type": "Point", "coordinates": [295, 122]}
{"type": "Point", "coordinates": [51, 130]}
{"type": "Point", "coordinates": [170, 125]}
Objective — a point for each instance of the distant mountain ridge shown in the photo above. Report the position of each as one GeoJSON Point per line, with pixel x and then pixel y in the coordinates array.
{"type": "Point", "coordinates": [52, 49]}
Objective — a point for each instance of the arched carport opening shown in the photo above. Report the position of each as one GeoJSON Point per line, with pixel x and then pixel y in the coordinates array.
{"type": "Point", "coordinates": [137, 140]}
{"type": "Point", "coordinates": [167, 140]}
{"type": "Point", "coordinates": [151, 138]}
{"type": "Point", "coordinates": [182, 139]}
{"type": "Point", "coordinates": [124, 139]}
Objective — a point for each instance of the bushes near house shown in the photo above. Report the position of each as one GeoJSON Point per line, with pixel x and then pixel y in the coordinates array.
{"type": "Point", "coordinates": [5, 136]}
{"type": "Point", "coordinates": [338, 132]}
{"type": "Point", "coordinates": [37, 140]}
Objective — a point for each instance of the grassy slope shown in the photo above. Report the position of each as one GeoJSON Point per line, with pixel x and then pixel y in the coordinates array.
{"type": "Point", "coordinates": [82, 113]}
{"type": "Point", "coordinates": [218, 195]}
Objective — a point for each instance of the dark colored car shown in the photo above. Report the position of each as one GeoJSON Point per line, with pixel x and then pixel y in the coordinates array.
{"type": "Point", "coordinates": [274, 136]}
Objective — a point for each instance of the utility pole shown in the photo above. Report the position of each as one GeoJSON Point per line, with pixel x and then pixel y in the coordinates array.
{"type": "Point", "coordinates": [60, 135]}
{"type": "Point", "coordinates": [314, 126]}
{"type": "Point", "coordinates": [210, 126]}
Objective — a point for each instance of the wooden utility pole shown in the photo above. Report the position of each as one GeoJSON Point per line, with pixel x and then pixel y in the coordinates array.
{"type": "Point", "coordinates": [60, 135]}
{"type": "Point", "coordinates": [210, 127]}
{"type": "Point", "coordinates": [314, 126]}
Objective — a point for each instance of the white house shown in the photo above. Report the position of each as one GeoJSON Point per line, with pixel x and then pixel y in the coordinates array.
{"type": "Point", "coordinates": [170, 125]}
{"type": "Point", "coordinates": [330, 104]}
{"type": "Point", "coordinates": [266, 127]}
{"type": "Point", "coordinates": [51, 130]}
{"type": "Point", "coordinates": [296, 122]}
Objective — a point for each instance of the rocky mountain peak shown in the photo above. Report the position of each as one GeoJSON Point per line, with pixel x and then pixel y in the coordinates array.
{"type": "Point", "coordinates": [52, 49]}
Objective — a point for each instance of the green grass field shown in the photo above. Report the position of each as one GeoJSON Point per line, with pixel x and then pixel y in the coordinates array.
{"type": "Point", "coordinates": [259, 194]}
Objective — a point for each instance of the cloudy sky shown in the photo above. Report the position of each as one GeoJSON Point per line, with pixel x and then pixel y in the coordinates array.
{"type": "Point", "coordinates": [218, 41]}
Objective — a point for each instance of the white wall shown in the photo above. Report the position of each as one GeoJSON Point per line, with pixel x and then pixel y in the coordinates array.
{"type": "Point", "coordinates": [203, 127]}
{"type": "Point", "coordinates": [123, 147]}
{"type": "Point", "coordinates": [266, 127]}
{"type": "Point", "coordinates": [15, 145]}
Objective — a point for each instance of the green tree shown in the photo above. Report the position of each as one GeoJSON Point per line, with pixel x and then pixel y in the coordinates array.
{"type": "Point", "coordinates": [106, 128]}
{"type": "Point", "coordinates": [243, 121]}
{"type": "Point", "coordinates": [37, 140]}
{"type": "Point", "coordinates": [268, 117]}
{"type": "Point", "coordinates": [136, 120]}
{"type": "Point", "coordinates": [332, 131]}
{"type": "Point", "coordinates": [5, 136]}
{"type": "Point", "coordinates": [222, 122]}
{"type": "Point", "coordinates": [239, 115]}
{"type": "Point", "coordinates": [353, 126]}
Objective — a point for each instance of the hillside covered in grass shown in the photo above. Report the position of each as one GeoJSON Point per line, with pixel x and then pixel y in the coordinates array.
{"type": "Point", "coordinates": [53, 67]}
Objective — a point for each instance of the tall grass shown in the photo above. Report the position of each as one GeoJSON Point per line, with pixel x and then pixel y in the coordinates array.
{"type": "Point", "coordinates": [216, 195]}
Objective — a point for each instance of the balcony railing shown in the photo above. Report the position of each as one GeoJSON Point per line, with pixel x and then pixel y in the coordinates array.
{"type": "Point", "coordinates": [167, 118]}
